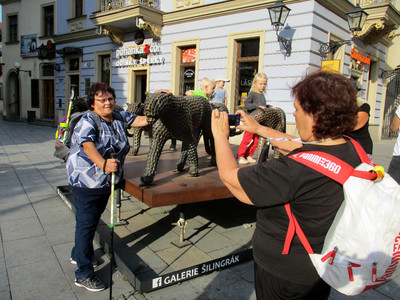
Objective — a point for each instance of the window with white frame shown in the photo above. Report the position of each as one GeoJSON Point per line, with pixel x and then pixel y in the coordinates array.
{"type": "Point", "coordinates": [13, 28]}
{"type": "Point", "coordinates": [48, 20]}
{"type": "Point", "coordinates": [76, 8]}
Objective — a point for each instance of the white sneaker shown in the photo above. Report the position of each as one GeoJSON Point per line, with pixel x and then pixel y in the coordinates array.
{"type": "Point", "coordinates": [242, 161]}
{"type": "Point", "coordinates": [251, 160]}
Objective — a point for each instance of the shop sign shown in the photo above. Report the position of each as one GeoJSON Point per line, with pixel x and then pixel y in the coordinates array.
{"type": "Point", "coordinates": [125, 55]}
{"type": "Point", "coordinates": [330, 65]}
{"type": "Point", "coordinates": [189, 73]}
{"type": "Point", "coordinates": [361, 58]}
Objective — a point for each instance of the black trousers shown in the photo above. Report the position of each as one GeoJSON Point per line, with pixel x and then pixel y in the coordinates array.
{"type": "Point", "coordinates": [394, 168]}
{"type": "Point", "coordinates": [269, 287]}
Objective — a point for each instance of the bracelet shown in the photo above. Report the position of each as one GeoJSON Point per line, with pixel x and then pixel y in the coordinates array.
{"type": "Point", "coordinates": [104, 166]}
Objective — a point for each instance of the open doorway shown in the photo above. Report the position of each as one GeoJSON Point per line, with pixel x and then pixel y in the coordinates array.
{"type": "Point", "coordinates": [140, 86]}
{"type": "Point", "coordinates": [12, 103]}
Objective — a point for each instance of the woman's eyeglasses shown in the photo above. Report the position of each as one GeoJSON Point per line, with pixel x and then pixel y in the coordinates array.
{"type": "Point", "coordinates": [102, 101]}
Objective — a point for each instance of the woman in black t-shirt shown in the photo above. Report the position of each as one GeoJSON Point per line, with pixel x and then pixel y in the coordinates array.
{"type": "Point", "coordinates": [325, 108]}
{"type": "Point", "coordinates": [361, 132]}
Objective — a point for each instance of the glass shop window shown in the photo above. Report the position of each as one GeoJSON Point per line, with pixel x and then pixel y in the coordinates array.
{"type": "Point", "coordinates": [74, 64]}
{"type": "Point", "coordinates": [187, 69]}
{"type": "Point", "coordinates": [247, 67]}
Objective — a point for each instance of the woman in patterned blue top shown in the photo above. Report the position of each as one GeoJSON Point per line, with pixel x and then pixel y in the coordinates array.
{"type": "Point", "coordinates": [89, 168]}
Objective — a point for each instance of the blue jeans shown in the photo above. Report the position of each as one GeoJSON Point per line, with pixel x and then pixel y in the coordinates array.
{"type": "Point", "coordinates": [87, 215]}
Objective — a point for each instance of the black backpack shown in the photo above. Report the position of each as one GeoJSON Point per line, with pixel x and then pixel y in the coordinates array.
{"type": "Point", "coordinates": [65, 131]}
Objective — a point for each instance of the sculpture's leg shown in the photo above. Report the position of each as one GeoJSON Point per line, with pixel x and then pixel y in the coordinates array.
{"type": "Point", "coordinates": [160, 136]}
{"type": "Point", "coordinates": [183, 157]}
{"type": "Point", "coordinates": [192, 160]}
{"type": "Point", "coordinates": [211, 145]}
{"type": "Point", "coordinates": [173, 145]}
{"type": "Point", "coordinates": [137, 134]}
{"type": "Point", "coordinates": [262, 150]}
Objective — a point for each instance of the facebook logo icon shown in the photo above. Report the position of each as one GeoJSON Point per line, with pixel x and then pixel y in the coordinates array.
{"type": "Point", "coordinates": [157, 282]}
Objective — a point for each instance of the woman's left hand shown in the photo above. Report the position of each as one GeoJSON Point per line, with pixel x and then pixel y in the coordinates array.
{"type": "Point", "coordinates": [219, 124]}
{"type": "Point", "coordinates": [248, 123]}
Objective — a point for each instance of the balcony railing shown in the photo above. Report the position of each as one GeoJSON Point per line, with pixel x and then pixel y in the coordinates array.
{"type": "Point", "coordinates": [117, 4]}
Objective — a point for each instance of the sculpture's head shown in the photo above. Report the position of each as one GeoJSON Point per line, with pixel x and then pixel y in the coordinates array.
{"type": "Point", "coordinates": [79, 104]}
{"type": "Point", "coordinates": [136, 108]}
{"type": "Point", "coordinates": [154, 105]}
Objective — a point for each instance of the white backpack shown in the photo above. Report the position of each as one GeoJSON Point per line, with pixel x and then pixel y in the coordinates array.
{"type": "Point", "coordinates": [362, 247]}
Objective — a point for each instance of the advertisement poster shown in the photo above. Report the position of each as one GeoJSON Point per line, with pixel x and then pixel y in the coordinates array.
{"type": "Point", "coordinates": [29, 45]}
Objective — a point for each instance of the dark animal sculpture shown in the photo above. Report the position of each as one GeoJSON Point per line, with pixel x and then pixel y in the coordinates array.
{"type": "Point", "coordinates": [182, 118]}
{"type": "Point", "coordinates": [136, 132]}
{"type": "Point", "coordinates": [271, 117]}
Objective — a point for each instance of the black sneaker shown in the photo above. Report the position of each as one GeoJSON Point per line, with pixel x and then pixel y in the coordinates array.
{"type": "Point", "coordinates": [95, 262]}
{"type": "Point", "coordinates": [91, 283]}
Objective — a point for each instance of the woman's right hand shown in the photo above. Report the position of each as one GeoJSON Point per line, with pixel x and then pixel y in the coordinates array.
{"type": "Point", "coordinates": [248, 123]}
{"type": "Point", "coordinates": [111, 165]}
{"type": "Point", "coordinates": [219, 124]}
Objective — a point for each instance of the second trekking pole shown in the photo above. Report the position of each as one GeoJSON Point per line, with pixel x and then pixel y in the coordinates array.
{"type": "Point", "coordinates": [112, 228]}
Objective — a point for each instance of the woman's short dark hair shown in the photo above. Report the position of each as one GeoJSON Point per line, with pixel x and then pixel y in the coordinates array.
{"type": "Point", "coordinates": [331, 99]}
{"type": "Point", "coordinates": [97, 88]}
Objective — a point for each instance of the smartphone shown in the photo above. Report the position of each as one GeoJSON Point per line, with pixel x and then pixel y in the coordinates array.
{"type": "Point", "coordinates": [234, 120]}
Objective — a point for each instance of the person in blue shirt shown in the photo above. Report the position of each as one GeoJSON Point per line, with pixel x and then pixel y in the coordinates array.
{"type": "Point", "coordinates": [220, 95]}
{"type": "Point", "coordinates": [89, 167]}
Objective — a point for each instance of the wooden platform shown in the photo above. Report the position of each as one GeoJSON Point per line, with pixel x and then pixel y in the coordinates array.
{"type": "Point", "coordinates": [169, 188]}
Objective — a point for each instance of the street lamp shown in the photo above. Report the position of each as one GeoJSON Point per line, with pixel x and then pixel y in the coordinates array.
{"type": "Point", "coordinates": [43, 53]}
{"type": "Point", "coordinates": [17, 66]}
{"type": "Point", "coordinates": [356, 18]}
{"type": "Point", "coordinates": [278, 14]}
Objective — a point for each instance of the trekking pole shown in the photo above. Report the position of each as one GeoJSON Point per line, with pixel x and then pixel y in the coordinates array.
{"type": "Point", "coordinates": [70, 104]}
{"type": "Point", "coordinates": [113, 155]}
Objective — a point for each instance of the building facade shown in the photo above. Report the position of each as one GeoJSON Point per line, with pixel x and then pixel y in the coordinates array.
{"type": "Point", "coordinates": [29, 82]}
{"type": "Point", "coordinates": [141, 45]}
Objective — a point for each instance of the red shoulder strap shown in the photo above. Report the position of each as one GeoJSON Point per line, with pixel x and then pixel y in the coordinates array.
{"type": "Point", "coordinates": [332, 166]}
{"type": "Point", "coordinates": [293, 228]}
{"type": "Point", "coordinates": [360, 151]}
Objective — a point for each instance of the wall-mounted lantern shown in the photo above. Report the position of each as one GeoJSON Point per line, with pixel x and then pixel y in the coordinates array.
{"type": "Point", "coordinates": [278, 14]}
{"type": "Point", "coordinates": [43, 53]}
{"type": "Point", "coordinates": [355, 19]}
